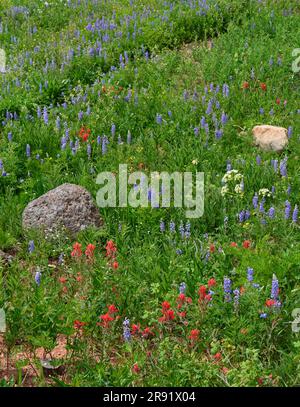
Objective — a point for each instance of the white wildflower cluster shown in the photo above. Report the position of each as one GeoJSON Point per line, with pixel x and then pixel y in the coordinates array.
{"type": "Point", "coordinates": [264, 192]}
{"type": "Point", "coordinates": [233, 183]}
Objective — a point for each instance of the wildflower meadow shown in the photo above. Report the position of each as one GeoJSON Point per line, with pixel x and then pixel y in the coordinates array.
{"type": "Point", "coordinates": [132, 295]}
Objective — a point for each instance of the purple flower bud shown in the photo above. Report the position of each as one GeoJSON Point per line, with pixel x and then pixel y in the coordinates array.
{"type": "Point", "coordinates": [45, 116]}
{"type": "Point", "coordinates": [31, 246]}
{"type": "Point", "coordinates": [182, 288]}
{"type": "Point", "coordinates": [250, 272]}
{"type": "Point", "coordinates": [126, 330]}
{"type": "Point", "coordinates": [295, 214]}
{"type": "Point", "coordinates": [172, 227]}
{"type": "Point", "coordinates": [225, 90]}
{"type": "Point", "coordinates": [128, 137]}
{"type": "Point", "coordinates": [227, 289]}
{"type": "Point", "coordinates": [275, 288]}
{"type": "Point", "coordinates": [255, 201]}
{"type": "Point", "coordinates": [28, 150]}
{"type": "Point", "coordinates": [287, 211]}
{"type": "Point", "coordinates": [282, 167]}
{"type": "Point", "coordinates": [271, 213]}
{"type": "Point", "coordinates": [242, 216]}
{"type": "Point", "coordinates": [37, 277]}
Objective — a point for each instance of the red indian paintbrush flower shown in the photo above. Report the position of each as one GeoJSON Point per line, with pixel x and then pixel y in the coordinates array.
{"type": "Point", "coordinates": [76, 250]}
{"type": "Point", "coordinates": [106, 319]}
{"type": "Point", "coordinates": [112, 309]}
{"type": "Point", "coordinates": [194, 335]}
{"type": "Point", "coordinates": [89, 252]}
{"type": "Point", "coordinates": [263, 86]}
{"type": "Point", "coordinates": [211, 282]}
{"type": "Point", "coordinates": [246, 244]}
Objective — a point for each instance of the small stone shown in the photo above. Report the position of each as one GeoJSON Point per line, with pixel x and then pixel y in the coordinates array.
{"type": "Point", "coordinates": [270, 138]}
{"type": "Point", "coordinates": [68, 206]}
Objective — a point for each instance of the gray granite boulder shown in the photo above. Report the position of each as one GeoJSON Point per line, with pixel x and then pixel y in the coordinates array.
{"type": "Point", "coordinates": [68, 206]}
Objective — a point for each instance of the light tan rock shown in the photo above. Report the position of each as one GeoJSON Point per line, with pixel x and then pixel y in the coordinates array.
{"type": "Point", "coordinates": [270, 138]}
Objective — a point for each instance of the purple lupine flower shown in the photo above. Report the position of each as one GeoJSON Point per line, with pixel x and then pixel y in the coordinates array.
{"type": "Point", "coordinates": [45, 116]}
{"type": "Point", "coordinates": [218, 134]}
{"type": "Point", "coordinates": [287, 211]}
{"type": "Point", "coordinates": [273, 190]}
{"type": "Point", "coordinates": [289, 190]}
{"type": "Point", "coordinates": [172, 227]}
{"type": "Point", "coordinates": [290, 131]}
{"type": "Point", "coordinates": [242, 216]}
{"type": "Point", "coordinates": [227, 289]}
{"type": "Point", "coordinates": [182, 288]}
{"type": "Point", "coordinates": [250, 272]}
{"type": "Point", "coordinates": [207, 256]}
{"type": "Point", "coordinates": [179, 251]}
{"type": "Point", "coordinates": [181, 230]}
{"type": "Point", "coordinates": [89, 150]}
{"type": "Point", "coordinates": [209, 107]}
{"type": "Point", "coordinates": [158, 118]}
{"type": "Point", "coordinates": [274, 164]}
{"type": "Point", "coordinates": [255, 285]}
{"type": "Point", "coordinates": [225, 90]}
{"type": "Point", "coordinates": [80, 115]}
{"type": "Point", "coordinates": [57, 122]}
{"type": "Point", "coordinates": [37, 277]}
{"type": "Point", "coordinates": [128, 137]}
{"type": "Point", "coordinates": [275, 288]}
{"type": "Point", "coordinates": [271, 213]}
{"type": "Point", "coordinates": [255, 201]}
{"type": "Point", "coordinates": [224, 118]}
{"type": "Point", "coordinates": [104, 143]}
{"type": "Point", "coordinates": [261, 111]}
{"type": "Point", "coordinates": [247, 214]}
{"type": "Point", "coordinates": [236, 297]}
{"type": "Point", "coordinates": [196, 131]}
{"type": "Point", "coordinates": [162, 226]}
{"type": "Point", "coordinates": [203, 122]}
{"type": "Point", "coordinates": [187, 230]}
{"type": "Point", "coordinates": [258, 160]}
{"type": "Point", "coordinates": [9, 136]}
{"type": "Point", "coordinates": [98, 140]}
{"type": "Point", "coordinates": [31, 246]}
{"type": "Point", "coordinates": [63, 143]}
{"type": "Point", "coordinates": [261, 206]}
{"type": "Point", "coordinates": [295, 214]}
{"type": "Point", "coordinates": [126, 330]}
{"type": "Point", "coordinates": [263, 315]}
{"type": "Point", "coordinates": [282, 167]}
{"type": "Point", "coordinates": [28, 150]}
{"type": "Point", "coordinates": [61, 259]}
